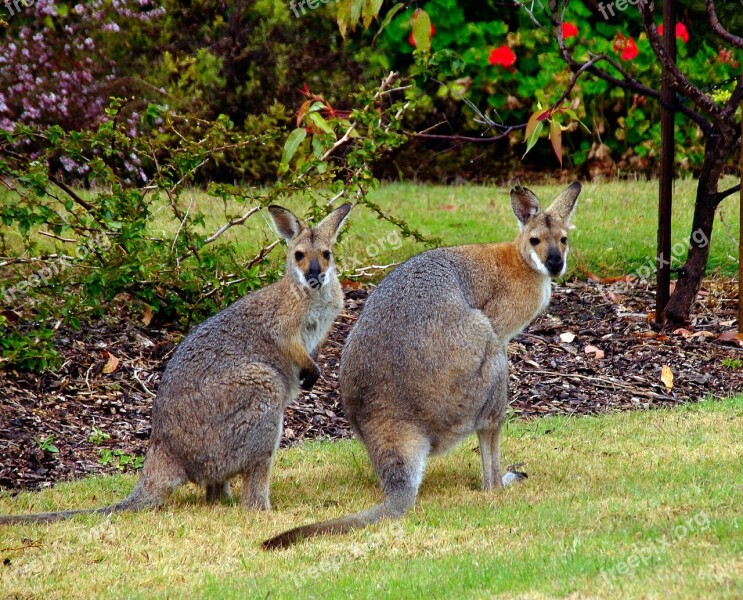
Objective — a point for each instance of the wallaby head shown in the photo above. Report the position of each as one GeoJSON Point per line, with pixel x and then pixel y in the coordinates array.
{"type": "Point", "coordinates": [543, 235]}
{"type": "Point", "coordinates": [309, 258]}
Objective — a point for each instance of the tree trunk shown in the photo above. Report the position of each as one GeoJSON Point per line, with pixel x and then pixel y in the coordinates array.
{"type": "Point", "coordinates": [717, 149]}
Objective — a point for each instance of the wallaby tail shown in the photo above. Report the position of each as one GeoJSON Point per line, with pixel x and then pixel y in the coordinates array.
{"type": "Point", "coordinates": [159, 477]}
{"type": "Point", "coordinates": [334, 526]}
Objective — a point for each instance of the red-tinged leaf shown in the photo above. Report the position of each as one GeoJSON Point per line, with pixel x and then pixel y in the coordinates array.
{"type": "Point", "coordinates": [666, 376]}
{"type": "Point", "coordinates": [111, 364]}
{"type": "Point", "coordinates": [302, 111]}
{"type": "Point", "coordinates": [545, 115]}
{"type": "Point", "coordinates": [731, 336]}
{"type": "Point", "coordinates": [421, 29]}
{"type": "Point", "coordinates": [556, 139]}
{"type": "Point", "coordinates": [597, 353]}
{"type": "Point", "coordinates": [350, 284]}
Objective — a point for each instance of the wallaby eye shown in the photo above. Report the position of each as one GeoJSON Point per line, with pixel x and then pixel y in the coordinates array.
{"type": "Point", "coordinates": [564, 241]}
{"type": "Point", "coordinates": [298, 255]}
{"type": "Point", "coordinates": [326, 255]}
{"type": "Point", "coordinates": [534, 241]}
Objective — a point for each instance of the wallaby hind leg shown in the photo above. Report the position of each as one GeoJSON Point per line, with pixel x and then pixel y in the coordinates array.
{"type": "Point", "coordinates": [489, 440]}
{"type": "Point", "coordinates": [400, 464]}
{"type": "Point", "coordinates": [161, 474]}
{"type": "Point", "coordinates": [217, 492]}
{"type": "Point", "coordinates": [255, 489]}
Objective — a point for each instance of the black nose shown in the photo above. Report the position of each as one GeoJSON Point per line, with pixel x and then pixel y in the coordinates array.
{"type": "Point", "coordinates": [313, 275]}
{"type": "Point", "coordinates": [554, 263]}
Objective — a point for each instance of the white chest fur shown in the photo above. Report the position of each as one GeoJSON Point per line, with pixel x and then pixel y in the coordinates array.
{"type": "Point", "coordinates": [324, 308]}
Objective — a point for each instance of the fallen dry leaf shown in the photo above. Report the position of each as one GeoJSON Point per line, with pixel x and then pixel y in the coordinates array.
{"type": "Point", "coordinates": [703, 334]}
{"type": "Point", "coordinates": [147, 316]}
{"type": "Point", "coordinates": [111, 364]}
{"type": "Point", "coordinates": [598, 353]}
{"type": "Point", "coordinates": [731, 336]}
{"type": "Point", "coordinates": [684, 333]}
{"type": "Point", "coordinates": [567, 337]}
{"type": "Point", "coordinates": [666, 376]}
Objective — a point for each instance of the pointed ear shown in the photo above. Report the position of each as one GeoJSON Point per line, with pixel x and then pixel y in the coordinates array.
{"type": "Point", "coordinates": [286, 223]}
{"type": "Point", "coordinates": [525, 204]}
{"type": "Point", "coordinates": [563, 206]}
{"type": "Point", "coordinates": [332, 224]}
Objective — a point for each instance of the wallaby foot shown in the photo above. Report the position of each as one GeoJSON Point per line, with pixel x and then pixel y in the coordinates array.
{"type": "Point", "coordinates": [218, 492]}
{"type": "Point", "coordinates": [254, 493]}
{"type": "Point", "coordinates": [490, 458]}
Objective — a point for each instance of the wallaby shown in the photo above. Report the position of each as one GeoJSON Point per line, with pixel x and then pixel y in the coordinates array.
{"type": "Point", "coordinates": [425, 365]}
{"type": "Point", "coordinates": [219, 408]}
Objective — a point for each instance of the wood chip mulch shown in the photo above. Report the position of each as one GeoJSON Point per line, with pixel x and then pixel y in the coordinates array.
{"type": "Point", "coordinates": [552, 372]}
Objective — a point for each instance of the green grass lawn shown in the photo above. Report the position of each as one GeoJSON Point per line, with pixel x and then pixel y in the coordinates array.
{"type": "Point", "coordinates": [640, 505]}
{"type": "Point", "coordinates": [615, 233]}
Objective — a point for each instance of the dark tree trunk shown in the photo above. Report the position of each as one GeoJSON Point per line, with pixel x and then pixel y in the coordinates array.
{"type": "Point", "coordinates": [718, 148]}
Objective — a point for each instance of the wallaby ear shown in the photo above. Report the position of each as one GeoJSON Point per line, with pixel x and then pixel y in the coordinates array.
{"type": "Point", "coordinates": [525, 204]}
{"type": "Point", "coordinates": [332, 224]}
{"type": "Point", "coordinates": [286, 223]}
{"type": "Point", "coordinates": [563, 206]}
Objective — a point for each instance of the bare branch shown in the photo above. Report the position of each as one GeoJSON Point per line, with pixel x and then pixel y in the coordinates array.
{"type": "Point", "coordinates": [627, 82]}
{"type": "Point", "coordinates": [720, 196]}
{"type": "Point", "coordinates": [719, 29]}
{"type": "Point", "coordinates": [679, 80]}
{"type": "Point", "coordinates": [56, 237]}
{"type": "Point", "coordinates": [233, 223]}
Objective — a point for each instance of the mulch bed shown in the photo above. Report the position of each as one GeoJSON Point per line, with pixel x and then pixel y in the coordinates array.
{"type": "Point", "coordinates": [551, 373]}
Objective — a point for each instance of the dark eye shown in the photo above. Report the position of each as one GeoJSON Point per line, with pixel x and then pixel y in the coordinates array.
{"type": "Point", "coordinates": [564, 240]}
{"type": "Point", "coordinates": [326, 255]}
{"type": "Point", "coordinates": [298, 256]}
{"type": "Point", "coordinates": [534, 241]}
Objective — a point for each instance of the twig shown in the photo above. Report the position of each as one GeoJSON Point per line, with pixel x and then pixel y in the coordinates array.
{"type": "Point", "coordinates": [719, 29]}
{"type": "Point", "coordinates": [233, 223]}
{"type": "Point", "coordinates": [183, 221]}
{"type": "Point", "coordinates": [56, 237]}
{"type": "Point", "coordinates": [144, 387]}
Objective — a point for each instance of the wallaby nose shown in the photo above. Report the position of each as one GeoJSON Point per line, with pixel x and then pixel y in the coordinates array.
{"type": "Point", "coordinates": [554, 262]}
{"type": "Point", "coordinates": [313, 276]}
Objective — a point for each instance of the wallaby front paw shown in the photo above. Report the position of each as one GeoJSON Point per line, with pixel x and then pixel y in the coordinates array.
{"type": "Point", "coordinates": [308, 377]}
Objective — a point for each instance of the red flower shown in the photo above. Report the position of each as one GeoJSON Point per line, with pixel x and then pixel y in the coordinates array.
{"type": "Point", "coordinates": [569, 30]}
{"type": "Point", "coordinates": [412, 41]}
{"type": "Point", "coordinates": [681, 32]}
{"type": "Point", "coordinates": [503, 56]}
{"type": "Point", "coordinates": [626, 47]}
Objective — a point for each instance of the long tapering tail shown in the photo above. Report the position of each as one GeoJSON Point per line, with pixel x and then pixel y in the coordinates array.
{"type": "Point", "coordinates": [334, 526]}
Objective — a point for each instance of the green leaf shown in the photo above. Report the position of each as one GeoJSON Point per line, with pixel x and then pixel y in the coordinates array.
{"type": "Point", "coordinates": [291, 145]}
{"type": "Point", "coordinates": [319, 122]}
{"type": "Point", "coordinates": [421, 30]}
{"type": "Point", "coordinates": [388, 19]}
{"type": "Point", "coordinates": [371, 11]}
{"type": "Point", "coordinates": [532, 139]}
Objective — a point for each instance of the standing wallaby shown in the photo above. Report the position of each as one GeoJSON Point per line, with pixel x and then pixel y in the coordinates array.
{"type": "Point", "coordinates": [425, 365]}
{"type": "Point", "coordinates": [219, 408]}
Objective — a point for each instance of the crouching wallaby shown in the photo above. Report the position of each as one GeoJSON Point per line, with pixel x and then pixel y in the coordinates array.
{"type": "Point", "coordinates": [425, 365]}
{"type": "Point", "coordinates": [219, 408]}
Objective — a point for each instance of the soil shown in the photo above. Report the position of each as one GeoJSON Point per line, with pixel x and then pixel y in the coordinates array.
{"type": "Point", "coordinates": [95, 410]}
